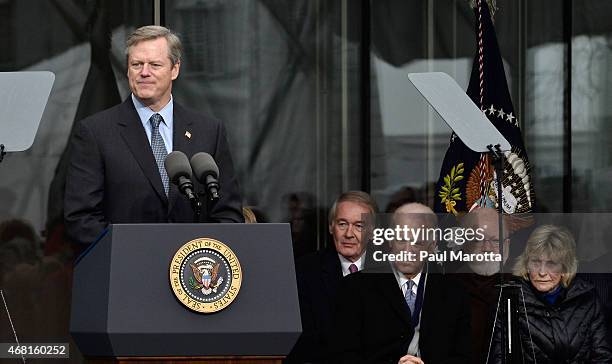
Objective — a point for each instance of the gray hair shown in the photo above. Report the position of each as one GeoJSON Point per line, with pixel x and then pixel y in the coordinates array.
{"type": "Point", "coordinates": [151, 32]}
{"type": "Point", "coordinates": [553, 241]}
{"type": "Point", "coordinates": [358, 197]}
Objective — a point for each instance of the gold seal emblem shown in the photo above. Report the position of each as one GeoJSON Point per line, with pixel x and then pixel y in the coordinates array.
{"type": "Point", "coordinates": [205, 275]}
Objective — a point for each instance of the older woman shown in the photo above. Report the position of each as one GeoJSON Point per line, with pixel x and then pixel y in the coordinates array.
{"type": "Point", "coordinates": [565, 321]}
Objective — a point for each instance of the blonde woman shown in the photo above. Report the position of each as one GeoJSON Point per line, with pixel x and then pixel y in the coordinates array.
{"type": "Point", "coordinates": [565, 318]}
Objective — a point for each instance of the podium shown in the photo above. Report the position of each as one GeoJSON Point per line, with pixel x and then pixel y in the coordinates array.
{"type": "Point", "coordinates": [124, 308]}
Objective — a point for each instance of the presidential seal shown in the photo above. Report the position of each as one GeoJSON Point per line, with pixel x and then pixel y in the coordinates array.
{"type": "Point", "coordinates": [205, 275]}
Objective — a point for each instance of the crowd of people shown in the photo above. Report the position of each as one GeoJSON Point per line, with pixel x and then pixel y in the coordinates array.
{"type": "Point", "coordinates": [356, 310]}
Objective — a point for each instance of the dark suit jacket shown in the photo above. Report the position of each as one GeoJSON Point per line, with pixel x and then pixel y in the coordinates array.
{"type": "Point", "coordinates": [113, 176]}
{"type": "Point", "coordinates": [372, 324]}
{"type": "Point", "coordinates": [318, 277]}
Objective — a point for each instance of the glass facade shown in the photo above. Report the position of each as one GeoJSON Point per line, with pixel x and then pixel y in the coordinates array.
{"type": "Point", "coordinates": [316, 101]}
{"type": "Point", "coordinates": [284, 78]}
{"type": "Point", "coordinates": [82, 43]}
{"type": "Point", "coordinates": [555, 53]}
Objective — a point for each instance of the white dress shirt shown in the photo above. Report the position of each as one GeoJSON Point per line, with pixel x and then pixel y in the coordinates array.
{"type": "Point", "coordinates": [345, 264]}
{"type": "Point", "coordinates": [165, 128]}
{"type": "Point", "coordinates": [402, 281]}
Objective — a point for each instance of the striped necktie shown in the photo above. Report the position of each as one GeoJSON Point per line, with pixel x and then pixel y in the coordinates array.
{"type": "Point", "coordinates": [409, 296]}
{"type": "Point", "coordinates": [159, 149]}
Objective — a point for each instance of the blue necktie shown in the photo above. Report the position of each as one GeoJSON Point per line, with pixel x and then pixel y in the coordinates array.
{"type": "Point", "coordinates": [159, 149]}
{"type": "Point", "coordinates": [409, 296]}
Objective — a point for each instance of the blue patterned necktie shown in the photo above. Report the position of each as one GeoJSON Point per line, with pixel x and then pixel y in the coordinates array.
{"type": "Point", "coordinates": [159, 149]}
{"type": "Point", "coordinates": [409, 296]}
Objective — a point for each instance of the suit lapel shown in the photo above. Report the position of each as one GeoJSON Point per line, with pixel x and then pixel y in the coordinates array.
{"type": "Point", "coordinates": [392, 292]}
{"type": "Point", "coordinates": [181, 140]}
{"type": "Point", "coordinates": [431, 300]}
{"type": "Point", "coordinates": [332, 273]}
{"type": "Point", "coordinates": [136, 139]}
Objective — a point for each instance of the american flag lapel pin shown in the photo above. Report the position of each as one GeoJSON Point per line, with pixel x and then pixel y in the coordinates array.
{"type": "Point", "coordinates": [188, 134]}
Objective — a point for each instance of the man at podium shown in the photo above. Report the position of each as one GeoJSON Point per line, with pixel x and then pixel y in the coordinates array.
{"type": "Point", "coordinates": [117, 173]}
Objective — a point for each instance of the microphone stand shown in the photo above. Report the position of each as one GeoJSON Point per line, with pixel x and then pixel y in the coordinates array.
{"type": "Point", "coordinates": [498, 163]}
{"type": "Point", "coordinates": [196, 205]}
{"type": "Point", "coordinates": [511, 344]}
{"type": "Point", "coordinates": [185, 187]}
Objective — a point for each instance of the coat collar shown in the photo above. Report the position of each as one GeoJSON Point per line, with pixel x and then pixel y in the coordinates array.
{"type": "Point", "coordinates": [331, 271]}
{"type": "Point", "coordinates": [182, 140]}
{"type": "Point", "coordinates": [388, 287]}
{"type": "Point", "coordinates": [136, 139]}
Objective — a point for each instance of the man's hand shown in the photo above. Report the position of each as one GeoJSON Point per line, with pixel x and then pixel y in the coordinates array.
{"type": "Point", "coordinates": [409, 359]}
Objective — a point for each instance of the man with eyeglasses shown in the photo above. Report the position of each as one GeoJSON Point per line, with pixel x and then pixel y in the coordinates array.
{"type": "Point", "coordinates": [319, 274]}
{"type": "Point", "coordinates": [487, 241]}
{"type": "Point", "coordinates": [480, 278]}
{"type": "Point", "coordinates": [403, 311]}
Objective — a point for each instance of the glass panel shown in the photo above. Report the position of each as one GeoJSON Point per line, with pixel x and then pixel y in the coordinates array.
{"type": "Point", "coordinates": [283, 76]}
{"type": "Point", "coordinates": [82, 43]}
{"type": "Point", "coordinates": [440, 36]}
{"type": "Point", "coordinates": [544, 97]}
{"type": "Point", "coordinates": [591, 109]}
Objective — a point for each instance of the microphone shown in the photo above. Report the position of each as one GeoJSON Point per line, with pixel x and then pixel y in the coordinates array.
{"type": "Point", "coordinates": [179, 172]}
{"type": "Point", "coordinates": [207, 172]}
